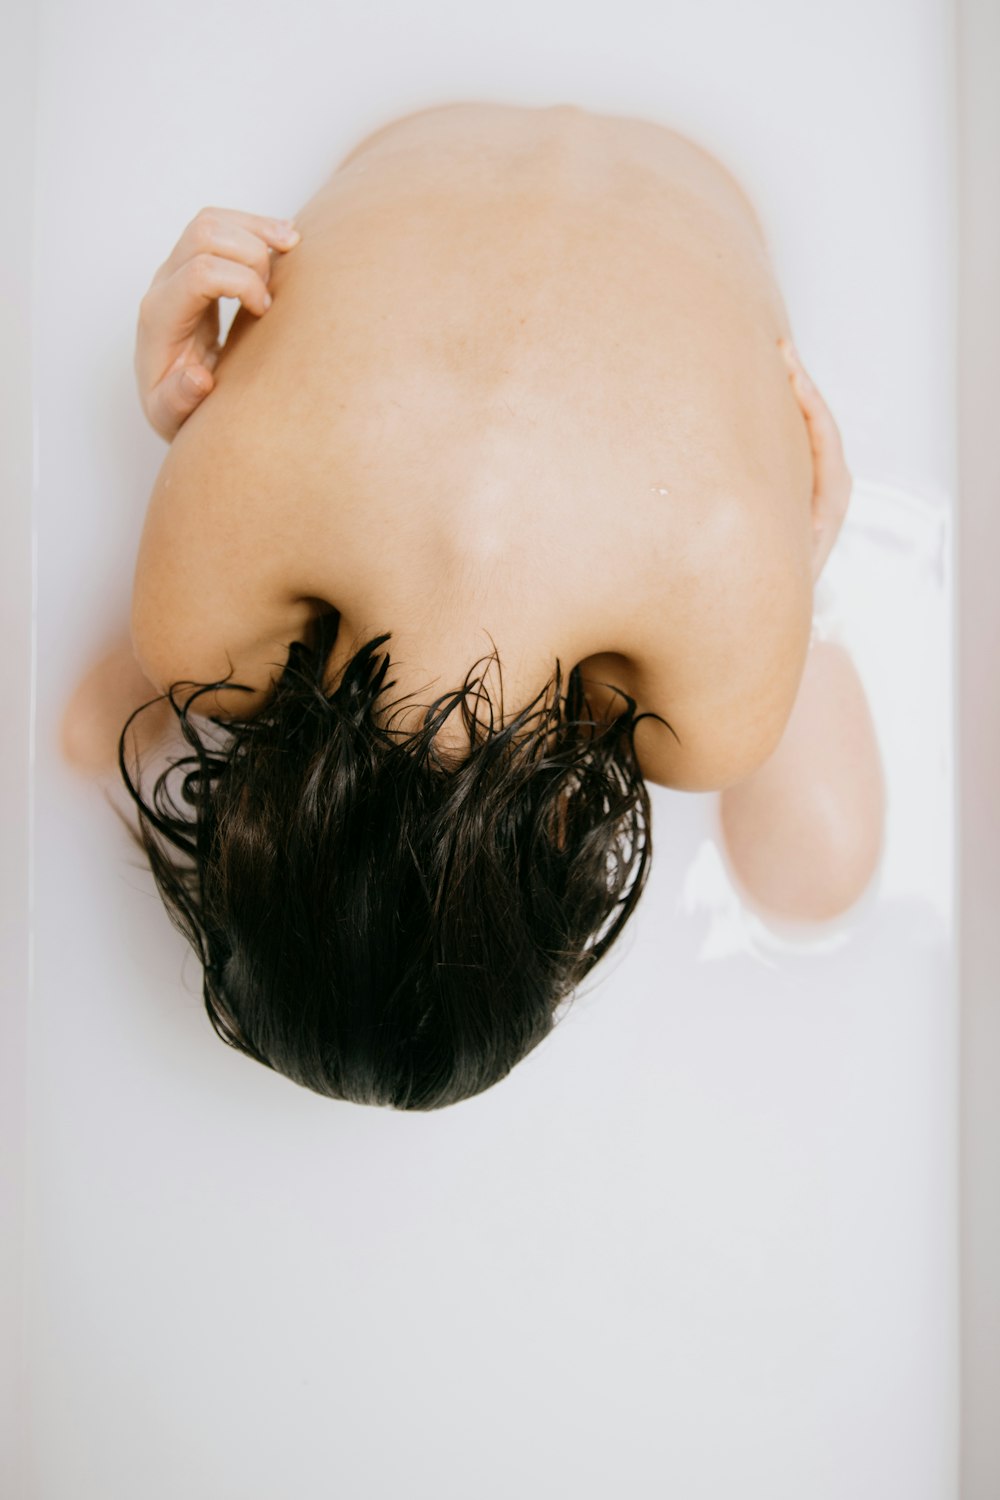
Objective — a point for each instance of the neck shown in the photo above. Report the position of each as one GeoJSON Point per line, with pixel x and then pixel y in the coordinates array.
{"type": "Point", "coordinates": [428, 663]}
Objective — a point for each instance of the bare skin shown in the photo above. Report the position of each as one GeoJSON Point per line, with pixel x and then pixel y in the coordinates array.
{"type": "Point", "coordinates": [525, 380]}
{"type": "Point", "coordinates": [804, 834]}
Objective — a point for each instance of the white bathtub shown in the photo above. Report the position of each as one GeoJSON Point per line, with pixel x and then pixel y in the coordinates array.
{"type": "Point", "coordinates": [705, 1241]}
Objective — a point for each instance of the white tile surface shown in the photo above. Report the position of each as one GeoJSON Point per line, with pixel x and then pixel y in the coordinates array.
{"type": "Point", "coordinates": [701, 1243]}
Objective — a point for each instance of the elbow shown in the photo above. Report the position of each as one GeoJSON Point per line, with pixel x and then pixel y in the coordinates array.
{"type": "Point", "coordinates": [799, 852]}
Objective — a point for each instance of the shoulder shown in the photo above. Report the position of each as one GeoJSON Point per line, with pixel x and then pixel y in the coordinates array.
{"type": "Point", "coordinates": [718, 651]}
{"type": "Point", "coordinates": [724, 732]}
{"type": "Point", "coordinates": [211, 590]}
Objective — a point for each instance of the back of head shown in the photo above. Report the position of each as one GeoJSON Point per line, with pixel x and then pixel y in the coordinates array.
{"type": "Point", "coordinates": [378, 924]}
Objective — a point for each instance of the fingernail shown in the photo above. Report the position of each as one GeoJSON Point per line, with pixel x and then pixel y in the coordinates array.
{"type": "Point", "coordinates": [287, 232]}
{"type": "Point", "coordinates": [195, 384]}
{"type": "Point", "coordinates": [267, 299]}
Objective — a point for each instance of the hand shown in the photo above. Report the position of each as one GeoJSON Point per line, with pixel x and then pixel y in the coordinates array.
{"type": "Point", "coordinates": [832, 481]}
{"type": "Point", "coordinates": [222, 253]}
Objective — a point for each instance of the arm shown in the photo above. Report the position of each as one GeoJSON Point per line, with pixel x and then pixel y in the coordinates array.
{"type": "Point", "coordinates": [221, 253]}
{"type": "Point", "coordinates": [804, 832]}
{"type": "Point", "coordinates": [206, 595]}
{"type": "Point", "coordinates": [94, 716]}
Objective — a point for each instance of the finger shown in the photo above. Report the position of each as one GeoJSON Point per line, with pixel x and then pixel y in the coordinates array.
{"type": "Point", "coordinates": [173, 309]}
{"type": "Point", "coordinates": [268, 227]}
{"type": "Point", "coordinates": [823, 428]}
{"type": "Point", "coordinates": [229, 232]}
{"type": "Point", "coordinates": [833, 483]}
{"type": "Point", "coordinates": [212, 235]}
{"type": "Point", "coordinates": [175, 398]}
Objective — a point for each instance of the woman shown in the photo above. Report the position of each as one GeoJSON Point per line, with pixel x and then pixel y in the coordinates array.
{"type": "Point", "coordinates": [523, 384]}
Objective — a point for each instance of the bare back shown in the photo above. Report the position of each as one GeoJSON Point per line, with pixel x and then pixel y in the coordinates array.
{"type": "Point", "coordinates": [520, 383]}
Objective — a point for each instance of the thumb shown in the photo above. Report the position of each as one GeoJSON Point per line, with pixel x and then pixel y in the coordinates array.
{"type": "Point", "coordinates": [176, 397]}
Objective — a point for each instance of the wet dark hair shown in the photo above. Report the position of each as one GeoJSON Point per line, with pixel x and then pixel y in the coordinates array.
{"type": "Point", "coordinates": [374, 920]}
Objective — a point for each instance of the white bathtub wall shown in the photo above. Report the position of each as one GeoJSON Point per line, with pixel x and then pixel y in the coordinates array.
{"type": "Point", "coordinates": [17, 115]}
{"type": "Point", "coordinates": [979, 739]}
{"type": "Point", "coordinates": [702, 1242]}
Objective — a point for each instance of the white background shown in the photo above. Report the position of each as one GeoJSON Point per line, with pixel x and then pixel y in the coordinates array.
{"type": "Point", "coordinates": [702, 1243]}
